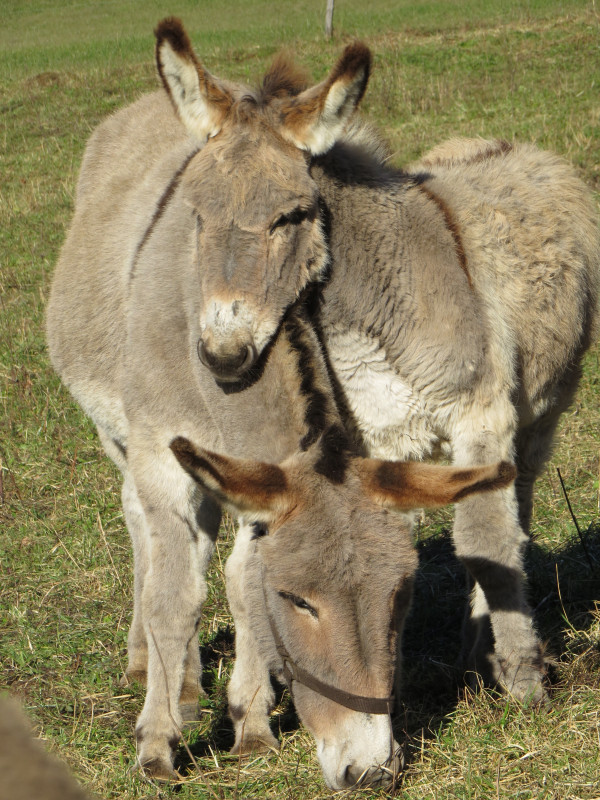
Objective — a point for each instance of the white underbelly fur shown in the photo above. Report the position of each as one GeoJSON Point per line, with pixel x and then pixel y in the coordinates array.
{"type": "Point", "coordinates": [390, 414]}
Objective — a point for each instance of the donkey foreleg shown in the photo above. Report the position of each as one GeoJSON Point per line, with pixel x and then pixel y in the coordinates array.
{"type": "Point", "coordinates": [181, 536]}
{"type": "Point", "coordinates": [137, 646]}
{"type": "Point", "coordinates": [250, 693]}
{"type": "Point", "coordinates": [502, 646]}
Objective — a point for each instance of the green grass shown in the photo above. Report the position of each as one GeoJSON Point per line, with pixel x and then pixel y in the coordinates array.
{"type": "Point", "coordinates": [514, 69]}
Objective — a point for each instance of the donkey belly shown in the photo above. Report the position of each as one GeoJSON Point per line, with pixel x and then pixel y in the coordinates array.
{"type": "Point", "coordinates": [389, 413]}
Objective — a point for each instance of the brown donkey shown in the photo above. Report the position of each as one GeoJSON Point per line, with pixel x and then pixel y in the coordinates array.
{"type": "Point", "coordinates": [320, 578]}
{"type": "Point", "coordinates": [460, 298]}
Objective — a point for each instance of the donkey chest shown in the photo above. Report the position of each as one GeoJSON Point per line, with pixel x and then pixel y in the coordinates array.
{"type": "Point", "coordinates": [390, 413]}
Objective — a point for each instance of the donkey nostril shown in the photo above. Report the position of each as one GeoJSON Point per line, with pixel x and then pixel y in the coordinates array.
{"type": "Point", "coordinates": [205, 356]}
{"type": "Point", "coordinates": [349, 779]}
{"type": "Point", "coordinates": [373, 776]}
{"type": "Point", "coordinates": [249, 357]}
{"type": "Point", "coordinates": [353, 775]}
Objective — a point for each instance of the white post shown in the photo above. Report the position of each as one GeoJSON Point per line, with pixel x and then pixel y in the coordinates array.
{"type": "Point", "coordinates": [329, 19]}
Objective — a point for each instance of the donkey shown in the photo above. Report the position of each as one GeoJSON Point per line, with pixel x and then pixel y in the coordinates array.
{"type": "Point", "coordinates": [27, 769]}
{"type": "Point", "coordinates": [458, 301]}
{"type": "Point", "coordinates": [320, 577]}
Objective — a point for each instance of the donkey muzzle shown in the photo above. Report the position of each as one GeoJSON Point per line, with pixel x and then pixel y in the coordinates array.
{"type": "Point", "coordinates": [227, 365]}
{"type": "Point", "coordinates": [353, 777]}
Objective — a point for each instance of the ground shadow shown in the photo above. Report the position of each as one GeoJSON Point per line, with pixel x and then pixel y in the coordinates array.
{"type": "Point", "coordinates": [564, 590]}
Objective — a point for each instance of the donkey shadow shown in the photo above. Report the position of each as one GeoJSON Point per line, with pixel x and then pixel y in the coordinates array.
{"type": "Point", "coordinates": [564, 589]}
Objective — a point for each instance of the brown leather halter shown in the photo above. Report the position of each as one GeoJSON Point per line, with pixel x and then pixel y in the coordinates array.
{"type": "Point", "coordinates": [293, 672]}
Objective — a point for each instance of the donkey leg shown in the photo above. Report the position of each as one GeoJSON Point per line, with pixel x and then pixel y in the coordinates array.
{"type": "Point", "coordinates": [137, 645]}
{"type": "Point", "coordinates": [534, 447]}
{"type": "Point", "coordinates": [250, 693]}
{"type": "Point", "coordinates": [181, 543]}
{"type": "Point", "coordinates": [490, 541]}
{"type": "Point", "coordinates": [137, 648]}
{"type": "Point", "coordinates": [208, 519]}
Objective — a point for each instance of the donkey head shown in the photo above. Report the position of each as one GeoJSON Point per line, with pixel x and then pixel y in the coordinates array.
{"type": "Point", "coordinates": [328, 575]}
{"type": "Point", "coordinates": [259, 238]}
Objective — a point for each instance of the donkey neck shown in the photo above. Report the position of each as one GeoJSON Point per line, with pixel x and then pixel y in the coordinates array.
{"type": "Point", "coordinates": [397, 276]}
{"type": "Point", "coordinates": [367, 213]}
{"type": "Point", "coordinates": [288, 406]}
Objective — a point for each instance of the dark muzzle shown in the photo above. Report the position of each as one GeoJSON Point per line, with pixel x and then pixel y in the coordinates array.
{"type": "Point", "coordinates": [228, 366]}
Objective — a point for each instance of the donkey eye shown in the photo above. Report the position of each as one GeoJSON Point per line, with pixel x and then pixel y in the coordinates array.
{"type": "Point", "coordinates": [294, 217]}
{"type": "Point", "coordinates": [279, 223]}
{"type": "Point", "coordinates": [259, 529]}
{"type": "Point", "coordinates": [299, 603]}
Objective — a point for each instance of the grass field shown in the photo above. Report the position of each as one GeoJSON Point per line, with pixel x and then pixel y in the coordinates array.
{"type": "Point", "coordinates": [524, 70]}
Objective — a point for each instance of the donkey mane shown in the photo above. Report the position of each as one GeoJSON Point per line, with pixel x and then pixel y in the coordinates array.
{"type": "Point", "coordinates": [361, 157]}
{"type": "Point", "coordinates": [321, 414]}
{"type": "Point", "coordinates": [318, 413]}
{"type": "Point", "coordinates": [336, 450]}
{"type": "Point", "coordinates": [283, 78]}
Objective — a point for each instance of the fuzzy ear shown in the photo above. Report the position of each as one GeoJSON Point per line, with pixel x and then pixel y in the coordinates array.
{"type": "Point", "coordinates": [200, 100]}
{"type": "Point", "coordinates": [243, 486]}
{"type": "Point", "coordinates": [316, 118]}
{"type": "Point", "coordinates": [408, 485]}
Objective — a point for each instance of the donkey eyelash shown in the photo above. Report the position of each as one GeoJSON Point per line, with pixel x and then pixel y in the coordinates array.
{"type": "Point", "coordinates": [294, 217]}
{"type": "Point", "coordinates": [299, 603]}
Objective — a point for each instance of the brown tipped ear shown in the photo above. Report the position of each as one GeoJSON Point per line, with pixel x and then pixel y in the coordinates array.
{"type": "Point", "coordinates": [407, 485]}
{"type": "Point", "coordinates": [242, 485]}
{"type": "Point", "coordinates": [201, 101]}
{"type": "Point", "coordinates": [316, 118]}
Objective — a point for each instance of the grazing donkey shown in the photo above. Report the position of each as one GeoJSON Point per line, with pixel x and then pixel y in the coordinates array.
{"type": "Point", "coordinates": [460, 298]}
{"type": "Point", "coordinates": [320, 584]}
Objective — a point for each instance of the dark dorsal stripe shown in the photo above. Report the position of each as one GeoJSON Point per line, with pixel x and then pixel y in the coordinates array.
{"type": "Point", "coordinates": [452, 226]}
{"type": "Point", "coordinates": [161, 206]}
{"type": "Point", "coordinates": [497, 148]}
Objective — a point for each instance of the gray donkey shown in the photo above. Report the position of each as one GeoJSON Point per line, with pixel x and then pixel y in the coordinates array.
{"type": "Point", "coordinates": [320, 578]}
{"type": "Point", "coordinates": [459, 300]}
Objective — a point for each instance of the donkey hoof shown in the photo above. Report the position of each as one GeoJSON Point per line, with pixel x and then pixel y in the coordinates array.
{"type": "Point", "coordinates": [160, 771]}
{"type": "Point", "coordinates": [254, 745]}
{"type": "Point", "coordinates": [132, 676]}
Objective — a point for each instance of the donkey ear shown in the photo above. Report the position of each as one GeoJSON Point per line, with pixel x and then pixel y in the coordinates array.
{"type": "Point", "coordinates": [243, 486]}
{"type": "Point", "coordinates": [408, 485]}
{"type": "Point", "coordinates": [200, 100]}
{"type": "Point", "coordinates": [316, 118]}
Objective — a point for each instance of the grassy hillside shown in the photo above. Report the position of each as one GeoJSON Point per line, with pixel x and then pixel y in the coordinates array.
{"type": "Point", "coordinates": [524, 70]}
